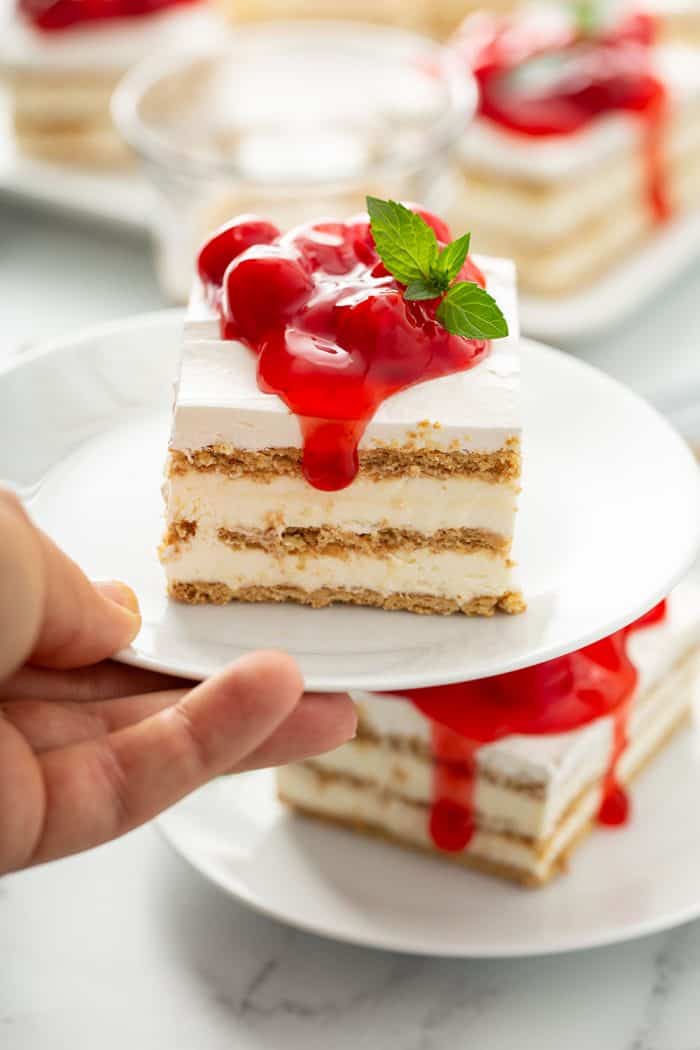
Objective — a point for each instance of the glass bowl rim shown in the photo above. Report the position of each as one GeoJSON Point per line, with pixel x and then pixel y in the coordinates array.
{"type": "Point", "coordinates": [154, 146]}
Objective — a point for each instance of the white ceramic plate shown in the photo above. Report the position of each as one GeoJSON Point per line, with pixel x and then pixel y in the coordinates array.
{"type": "Point", "coordinates": [619, 292]}
{"type": "Point", "coordinates": [124, 199]}
{"type": "Point", "coordinates": [609, 520]}
{"type": "Point", "coordinates": [623, 883]}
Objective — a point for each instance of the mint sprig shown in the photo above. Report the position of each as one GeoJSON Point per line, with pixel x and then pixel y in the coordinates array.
{"type": "Point", "coordinates": [409, 249]}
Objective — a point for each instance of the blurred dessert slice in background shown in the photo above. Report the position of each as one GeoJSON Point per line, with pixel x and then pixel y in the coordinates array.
{"type": "Point", "coordinates": [507, 774]}
{"type": "Point", "coordinates": [62, 59]}
{"type": "Point", "coordinates": [679, 20]}
{"type": "Point", "coordinates": [587, 140]}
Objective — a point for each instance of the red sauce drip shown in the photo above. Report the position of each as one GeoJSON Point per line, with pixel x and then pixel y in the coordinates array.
{"type": "Point", "coordinates": [553, 697]}
{"type": "Point", "coordinates": [332, 331]}
{"type": "Point", "coordinates": [541, 76]}
{"type": "Point", "coordinates": [52, 16]}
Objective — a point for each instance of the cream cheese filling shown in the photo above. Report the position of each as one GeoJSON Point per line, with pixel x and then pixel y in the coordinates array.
{"type": "Point", "coordinates": [461, 577]}
{"type": "Point", "coordinates": [422, 504]}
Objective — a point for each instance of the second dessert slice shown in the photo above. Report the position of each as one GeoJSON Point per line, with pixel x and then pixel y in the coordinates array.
{"type": "Point", "coordinates": [361, 452]}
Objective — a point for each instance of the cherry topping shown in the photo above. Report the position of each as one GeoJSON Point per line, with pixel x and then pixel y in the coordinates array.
{"type": "Point", "coordinates": [326, 246]}
{"type": "Point", "coordinates": [333, 333]}
{"type": "Point", "coordinates": [55, 15]}
{"type": "Point", "coordinates": [263, 289]}
{"type": "Point", "coordinates": [228, 242]}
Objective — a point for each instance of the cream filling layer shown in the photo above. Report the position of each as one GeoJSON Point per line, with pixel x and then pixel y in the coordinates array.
{"type": "Point", "coordinates": [447, 574]}
{"type": "Point", "coordinates": [419, 503]}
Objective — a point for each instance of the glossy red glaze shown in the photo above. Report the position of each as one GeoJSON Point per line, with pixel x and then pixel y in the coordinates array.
{"type": "Point", "coordinates": [543, 77]}
{"type": "Point", "coordinates": [333, 333]}
{"type": "Point", "coordinates": [553, 697]}
{"type": "Point", "coordinates": [54, 15]}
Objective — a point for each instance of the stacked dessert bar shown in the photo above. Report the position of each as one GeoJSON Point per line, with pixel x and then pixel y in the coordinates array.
{"type": "Point", "coordinates": [359, 452]}
{"type": "Point", "coordinates": [508, 774]}
{"type": "Point", "coordinates": [62, 60]}
{"type": "Point", "coordinates": [576, 128]}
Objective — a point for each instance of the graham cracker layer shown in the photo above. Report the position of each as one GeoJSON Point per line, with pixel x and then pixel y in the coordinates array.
{"type": "Point", "coordinates": [500, 465]}
{"type": "Point", "coordinates": [512, 873]}
{"type": "Point", "coordinates": [200, 592]}
{"type": "Point", "coordinates": [338, 543]}
{"type": "Point", "coordinates": [420, 749]}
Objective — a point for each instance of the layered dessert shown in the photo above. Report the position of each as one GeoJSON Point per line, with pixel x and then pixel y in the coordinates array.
{"type": "Point", "coordinates": [346, 424]}
{"type": "Point", "coordinates": [438, 19]}
{"type": "Point", "coordinates": [62, 59]}
{"type": "Point", "coordinates": [508, 774]}
{"type": "Point", "coordinates": [586, 142]}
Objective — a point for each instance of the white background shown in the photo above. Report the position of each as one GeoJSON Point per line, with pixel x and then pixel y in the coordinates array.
{"type": "Point", "coordinates": [126, 947]}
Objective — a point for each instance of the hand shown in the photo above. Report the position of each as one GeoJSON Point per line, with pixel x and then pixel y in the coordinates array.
{"type": "Point", "coordinates": [89, 749]}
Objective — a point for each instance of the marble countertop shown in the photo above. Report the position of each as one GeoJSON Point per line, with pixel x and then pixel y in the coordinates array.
{"type": "Point", "coordinates": [126, 946]}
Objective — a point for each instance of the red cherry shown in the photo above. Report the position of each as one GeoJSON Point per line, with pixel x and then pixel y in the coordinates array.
{"type": "Point", "coordinates": [471, 272]}
{"type": "Point", "coordinates": [264, 288]}
{"type": "Point", "coordinates": [379, 269]}
{"type": "Point", "coordinates": [325, 246]}
{"type": "Point", "coordinates": [442, 230]}
{"type": "Point", "coordinates": [230, 241]}
{"type": "Point", "coordinates": [360, 234]}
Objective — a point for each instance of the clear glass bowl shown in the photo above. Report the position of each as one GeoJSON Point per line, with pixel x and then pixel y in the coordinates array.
{"type": "Point", "coordinates": [293, 121]}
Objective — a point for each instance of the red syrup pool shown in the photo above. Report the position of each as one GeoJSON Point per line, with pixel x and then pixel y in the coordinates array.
{"type": "Point", "coordinates": [553, 697]}
{"type": "Point", "coordinates": [542, 77]}
{"type": "Point", "coordinates": [332, 331]}
{"type": "Point", "coordinates": [52, 16]}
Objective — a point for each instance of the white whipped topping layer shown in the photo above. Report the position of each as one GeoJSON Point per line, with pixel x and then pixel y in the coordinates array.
{"type": "Point", "coordinates": [114, 44]}
{"type": "Point", "coordinates": [447, 574]}
{"type": "Point", "coordinates": [554, 758]}
{"type": "Point", "coordinates": [420, 503]}
{"type": "Point", "coordinates": [488, 147]}
{"type": "Point", "coordinates": [218, 400]}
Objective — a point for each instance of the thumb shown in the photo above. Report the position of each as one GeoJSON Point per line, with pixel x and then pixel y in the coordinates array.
{"type": "Point", "coordinates": [74, 622]}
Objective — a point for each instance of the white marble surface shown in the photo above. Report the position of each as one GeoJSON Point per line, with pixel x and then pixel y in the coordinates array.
{"type": "Point", "coordinates": [127, 947]}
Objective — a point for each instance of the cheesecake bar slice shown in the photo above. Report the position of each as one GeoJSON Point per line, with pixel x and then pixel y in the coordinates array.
{"type": "Point", "coordinates": [524, 801]}
{"type": "Point", "coordinates": [423, 521]}
{"type": "Point", "coordinates": [580, 152]}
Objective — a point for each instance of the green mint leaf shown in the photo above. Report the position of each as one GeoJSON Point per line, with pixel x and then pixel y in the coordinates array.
{"type": "Point", "coordinates": [406, 244]}
{"type": "Point", "coordinates": [452, 258]}
{"type": "Point", "coordinates": [470, 311]}
{"type": "Point", "coordinates": [588, 16]}
{"type": "Point", "coordinates": [423, 290]}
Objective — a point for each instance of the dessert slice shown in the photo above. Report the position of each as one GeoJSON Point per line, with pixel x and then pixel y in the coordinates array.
{"type": "Point", "coordinates": [62, 60]}
{"type": "Point", "coordinates": [586, 142]}
{"type": "Point", "coordinates": [336, 443]}
{"type": "Point", "coordinates": [507, 774]}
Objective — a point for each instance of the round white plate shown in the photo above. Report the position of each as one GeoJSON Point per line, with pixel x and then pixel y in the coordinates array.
{"type": "Point", "coordinates": [622, 883]}
{"type": "Point", "coordinates": [609, 519]}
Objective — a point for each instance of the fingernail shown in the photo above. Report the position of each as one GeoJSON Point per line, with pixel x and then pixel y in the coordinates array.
{"type": "Point", "coordinates": [119, 593]}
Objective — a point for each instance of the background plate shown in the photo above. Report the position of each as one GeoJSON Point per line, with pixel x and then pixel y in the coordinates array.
{"type": "Point", "coordinates": [609, 520]}
{"type": "Point", "coordinates": [623, 882]}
